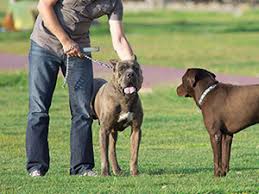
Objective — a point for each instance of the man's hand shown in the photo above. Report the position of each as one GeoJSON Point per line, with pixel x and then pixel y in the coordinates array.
{"type": "Point", "coordinates": [72, 49]}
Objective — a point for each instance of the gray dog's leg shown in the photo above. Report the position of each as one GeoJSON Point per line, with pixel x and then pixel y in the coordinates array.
{"type": "Point", "coordinates": [113, 156]}
{"type": "Point", "coordinates": [104, 141]}
{"type": "Point", "coordinates": [135, 141]}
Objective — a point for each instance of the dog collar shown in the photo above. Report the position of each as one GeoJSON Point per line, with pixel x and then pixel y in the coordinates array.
{"type": "Point", "coordinates": [204, 94]}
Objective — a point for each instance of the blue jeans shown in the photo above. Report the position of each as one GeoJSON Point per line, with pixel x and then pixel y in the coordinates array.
{"type": "Point", "coordinates": [43, 71]}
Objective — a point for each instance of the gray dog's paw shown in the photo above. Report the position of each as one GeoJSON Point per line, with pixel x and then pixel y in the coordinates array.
{"type": "Point", "coordinates": [117, 172]}
{"type": "Point", "coordinates": [105, 173]}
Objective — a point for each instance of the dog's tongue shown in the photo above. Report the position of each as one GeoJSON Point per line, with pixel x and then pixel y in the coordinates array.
{"type": "Point", "coordinates": [129, 90]}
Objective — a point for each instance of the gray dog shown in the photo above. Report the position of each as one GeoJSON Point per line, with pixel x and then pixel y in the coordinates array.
{"type": "Point", "coordinates": [117, 105]}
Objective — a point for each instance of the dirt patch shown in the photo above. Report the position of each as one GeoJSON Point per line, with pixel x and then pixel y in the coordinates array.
{"type": "Point", "coordinates": [154, 76]}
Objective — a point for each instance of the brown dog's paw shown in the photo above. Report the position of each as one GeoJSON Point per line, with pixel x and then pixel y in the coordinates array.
{"type": "Point", "coordinates": [223, 173]}
{"type": "Point", "coordinates": [220, 173]}
{"type": "Point", "coordinates": [225, 169]}
{"type": "Point", "coordinates": [134, 172]}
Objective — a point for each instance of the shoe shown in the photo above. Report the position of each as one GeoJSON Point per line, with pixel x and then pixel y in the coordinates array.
{"type": "Point", "coordinates": [89, 173]}
{"type": "Point", "coordinates": [35, 173]}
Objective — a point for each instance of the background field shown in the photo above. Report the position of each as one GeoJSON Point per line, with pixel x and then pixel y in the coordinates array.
{"type": "Point", "coordinates": [175, 153]}
{"type": "Point", "coordinates": [218, 41]}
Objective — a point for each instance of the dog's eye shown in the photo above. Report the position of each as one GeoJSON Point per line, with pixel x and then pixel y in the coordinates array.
{"type": "Point", "coordinates": [135, 68]}
{"type": "Point", "coordinates": [121, 68]}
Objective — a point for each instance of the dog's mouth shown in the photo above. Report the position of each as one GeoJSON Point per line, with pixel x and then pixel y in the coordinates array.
{"type": "Point", "coordinates": [129, 90]}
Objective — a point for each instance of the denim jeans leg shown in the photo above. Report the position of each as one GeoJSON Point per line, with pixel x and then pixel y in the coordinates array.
{"type": "Point", "coordinates": [43, 70]}
{"type": "Point", "coordinates": [80, 84]}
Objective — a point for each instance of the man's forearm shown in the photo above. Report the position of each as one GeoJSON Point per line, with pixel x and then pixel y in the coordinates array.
{"type": "Point", "coordinates": [51, 22]}
{"type": "Point", "coordinates": [123, 49]}
{"type": "Point", "coordinates": [119, 40]}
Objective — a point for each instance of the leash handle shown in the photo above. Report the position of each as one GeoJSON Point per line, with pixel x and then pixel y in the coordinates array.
{"type": "Point", "coordinates": [90, 49]}
{"type": "Point", "coordinates": [95, 49]}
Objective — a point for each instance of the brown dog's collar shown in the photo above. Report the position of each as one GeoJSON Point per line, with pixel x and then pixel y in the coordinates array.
{"type": "Point", "coordinates": [205, 93]}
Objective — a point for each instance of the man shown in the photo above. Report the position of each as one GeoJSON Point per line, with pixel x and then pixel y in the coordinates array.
{"type": "Point", "coordinates": [60, 31]}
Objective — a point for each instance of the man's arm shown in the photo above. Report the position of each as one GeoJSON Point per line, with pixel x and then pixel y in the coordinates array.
{"type": "Point", "coordinates": [119, 41]}
{"type": "Point", "coordinates": [50, 19]}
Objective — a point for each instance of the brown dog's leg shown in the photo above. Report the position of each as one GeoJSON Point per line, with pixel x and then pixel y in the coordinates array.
{"type": "Point", "coordinates": [104, 140]}
{"type": "Point", "coordinates": [113, 157]}
{"type": "Point", "coordinates": [226, 150]}
{"type": "Point", "coordinates": [135, 141]}
{"type": "Point", "coordinates": [216, 146]}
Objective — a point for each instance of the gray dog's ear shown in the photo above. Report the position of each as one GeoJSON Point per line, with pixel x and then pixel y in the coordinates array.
{"type": "Point", "coordinates": [134, 58]}
{"type": "Point", "coordinates": [114, 63]}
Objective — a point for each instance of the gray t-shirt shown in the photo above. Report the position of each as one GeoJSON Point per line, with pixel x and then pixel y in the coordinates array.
{"type": "Point", "coordinates": [75, 17]}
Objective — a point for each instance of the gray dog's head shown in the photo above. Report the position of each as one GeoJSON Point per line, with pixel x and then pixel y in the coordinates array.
{"type": "Point", "coordinates": [127, 76]}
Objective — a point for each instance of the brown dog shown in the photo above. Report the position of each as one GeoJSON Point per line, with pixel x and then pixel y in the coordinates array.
{"type": "Point", "coordinates": [226, 110]}
{"type": "Point", "coordinates": [117, 105]}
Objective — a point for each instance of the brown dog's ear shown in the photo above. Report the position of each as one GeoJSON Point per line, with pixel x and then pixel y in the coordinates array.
{"type": "Point", "coordinates": [114, 63]}
{"type": "Point", "coordinates": [181, 91]}
{"type": "Point", "coordinates": [210, 73]}
{"type": "Point", "coordinates": [213, 75]}
{"type": "Point", "coordinates": [193, 80]}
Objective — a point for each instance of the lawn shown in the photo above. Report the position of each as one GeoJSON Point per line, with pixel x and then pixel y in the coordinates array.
{"type": "Point", "coordinates": [175, 153]}
{"type": "Point", "coordinates": [221, 42]}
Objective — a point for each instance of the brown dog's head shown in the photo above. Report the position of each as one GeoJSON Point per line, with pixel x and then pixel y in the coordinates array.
{"type": "Point", "coordinates": [127, 76]}
{"type": "Point", "coordinates": [193, 78]}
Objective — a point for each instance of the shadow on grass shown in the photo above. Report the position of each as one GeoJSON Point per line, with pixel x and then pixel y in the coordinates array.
{"type": "Point", "coordinates": [2, 14]}
{"type": "Point", "coordinates": [13, 80]}
{"type": "Point", "coordinates": [185, 26]}
{"type": "Point", "coordinates": [14, 36]}
{"type": "Point", "coordinates": [182, 171]}
{"type": "Point", "coordinates": [158, 29]}
{"type": "Point", "coordinates": [243, 169]}
{"type": "Point", "coordinates": [169, 171]}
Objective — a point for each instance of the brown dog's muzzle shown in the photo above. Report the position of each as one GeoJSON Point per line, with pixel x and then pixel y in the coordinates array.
{"type": "Point", "coordinates": [181, 91]}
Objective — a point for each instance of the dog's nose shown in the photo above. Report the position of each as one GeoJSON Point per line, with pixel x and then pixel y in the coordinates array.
{"type": "Point", "coordinates": [130, 74]}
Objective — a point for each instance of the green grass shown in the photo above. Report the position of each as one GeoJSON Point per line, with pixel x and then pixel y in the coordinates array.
{"type": "Point", "coordinates": [217, 41]}
{"type": "Point", "coordinates": [175, 153]}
